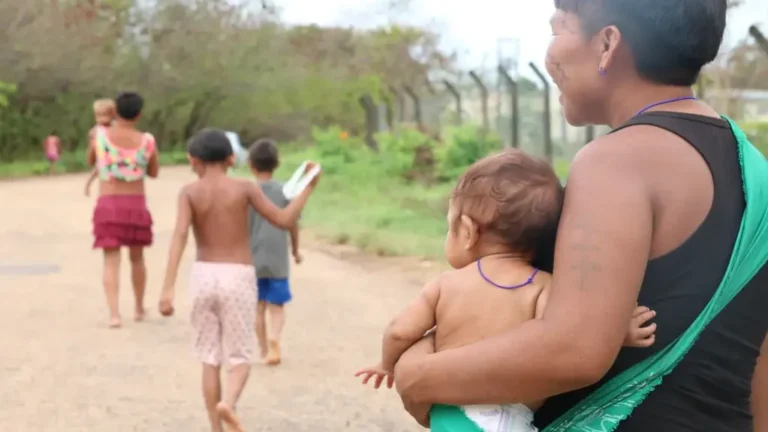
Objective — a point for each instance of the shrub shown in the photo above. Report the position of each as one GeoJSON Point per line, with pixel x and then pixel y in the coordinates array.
{"type": "Point", "coordinates": [464, 146]}
{"type": "Point", "coordinates": [407, 153]}
{"type": "Point", "coordinates": [337, 149]}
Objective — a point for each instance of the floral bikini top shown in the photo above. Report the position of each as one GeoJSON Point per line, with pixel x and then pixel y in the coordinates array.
{"type": "Point", "coordinates": [116, 163]}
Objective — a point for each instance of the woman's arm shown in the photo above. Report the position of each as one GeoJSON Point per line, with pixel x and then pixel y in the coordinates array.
{"type": "Point", "coordinates": [602, 250]}
{"type": "Point", "coordinates": [760, 390]}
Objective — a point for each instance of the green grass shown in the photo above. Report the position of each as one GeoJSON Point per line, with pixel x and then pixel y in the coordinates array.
{"type": "Point", "coordinates": [72, 162]}
{"type": "Point", "coordinates": [382, 215]}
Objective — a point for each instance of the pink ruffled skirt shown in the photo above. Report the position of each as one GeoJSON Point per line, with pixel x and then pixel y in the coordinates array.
{"type": "Point", "coordinates": [121, 220]}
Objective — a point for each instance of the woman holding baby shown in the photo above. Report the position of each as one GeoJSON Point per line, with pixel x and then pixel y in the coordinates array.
{"type": "Point", "coordinates": [655, 213]}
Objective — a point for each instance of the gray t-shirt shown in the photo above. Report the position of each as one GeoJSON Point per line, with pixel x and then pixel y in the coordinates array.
{"type": "Point", "coordinates": [269, 244]}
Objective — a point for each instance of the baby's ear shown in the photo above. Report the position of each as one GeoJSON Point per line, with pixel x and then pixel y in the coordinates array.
{"type": "Point", "coordinates": [470, 232]}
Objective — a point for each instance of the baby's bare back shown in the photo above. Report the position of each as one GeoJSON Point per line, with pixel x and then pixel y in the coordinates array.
{"type": "Point", "coordinates": [220, 219]}
{"type": "Point", "coordinates": [471, 309]}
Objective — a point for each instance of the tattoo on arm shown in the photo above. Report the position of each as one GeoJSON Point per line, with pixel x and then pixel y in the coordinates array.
{"type": "Point", "coordinates": [586, 265]}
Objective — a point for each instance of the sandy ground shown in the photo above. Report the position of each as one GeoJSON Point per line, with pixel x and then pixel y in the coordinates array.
{"type": "Point", "coordinates": [61, 370]}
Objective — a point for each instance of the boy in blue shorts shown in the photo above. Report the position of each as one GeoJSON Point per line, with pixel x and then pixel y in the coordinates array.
{"type": "Point", "coordinates": [269, 252]}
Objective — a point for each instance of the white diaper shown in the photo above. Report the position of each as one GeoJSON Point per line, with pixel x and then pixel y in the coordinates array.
{"type": "Point", "coordinates": [501, 418]}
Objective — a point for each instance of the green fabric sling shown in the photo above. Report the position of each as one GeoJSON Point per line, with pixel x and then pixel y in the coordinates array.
{"type": "Point", "coordinates": [614, 401]}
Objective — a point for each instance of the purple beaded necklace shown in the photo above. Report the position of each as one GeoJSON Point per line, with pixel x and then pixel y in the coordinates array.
{"type": "Point", "coordinates": [507, 287]}
{"type": "Point", "coordinates": [664, 102]}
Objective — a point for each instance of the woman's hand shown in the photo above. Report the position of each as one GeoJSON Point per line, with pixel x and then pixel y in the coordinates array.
{"type": "Point", "coordinates": [407, 371]}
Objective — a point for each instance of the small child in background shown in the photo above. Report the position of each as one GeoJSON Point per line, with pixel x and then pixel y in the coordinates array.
{"type": "Point", "coordinates": [269, 249]}
{"type": "Point", "coordinates": [52, 149]}
{"type": "Point", "coordinates": [502, 214]}
{"type": "Point", "coordinates": [222, 278]}
{"type": "Point", "coordinates": [104, 111]}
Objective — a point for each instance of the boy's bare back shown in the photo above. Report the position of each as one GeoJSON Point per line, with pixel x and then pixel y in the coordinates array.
{"type": "Point", "coordinates": [219, 208]}
{"type": "Point", "coordinates": [470, 309]}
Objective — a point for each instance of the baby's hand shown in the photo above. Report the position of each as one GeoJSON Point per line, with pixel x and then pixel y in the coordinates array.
{"type": "Point", "coordinates": [379, 372]}
{"type": "Point", "coordinates": [639, 336]}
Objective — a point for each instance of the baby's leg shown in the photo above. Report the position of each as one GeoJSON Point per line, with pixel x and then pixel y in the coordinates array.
{"type": "Point", "coordinates": [111, 278]}
{"type": "Point", "coordinates": [261, 327]}
{"type": "Point", "coordinates": [212, 395]}
{"type": "Point", "coordinates": [139, 279]}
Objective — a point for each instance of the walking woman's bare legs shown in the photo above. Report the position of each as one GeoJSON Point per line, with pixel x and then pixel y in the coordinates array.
{"type": "Point", "coordinates": [111, 279]}
{"type": "Point", "coordinates": [139, 280]}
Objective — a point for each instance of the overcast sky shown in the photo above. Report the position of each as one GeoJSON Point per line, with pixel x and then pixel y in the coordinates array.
{"type": "Point", "coordinates": [471, 28]}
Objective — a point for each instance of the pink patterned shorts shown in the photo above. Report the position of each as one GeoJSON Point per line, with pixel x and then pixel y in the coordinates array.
{"type": "Point", "coordinates": [223, 312]}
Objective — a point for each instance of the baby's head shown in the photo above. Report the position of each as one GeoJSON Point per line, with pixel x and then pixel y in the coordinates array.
{"type": "Point", "coordinates": [505, 203]}
{"type": "Point", "coordinates": [209, 148]}
{"type": "Point", "coordinates": [263, 156]}
{"type": "Point", "coordinates": [104, 111]}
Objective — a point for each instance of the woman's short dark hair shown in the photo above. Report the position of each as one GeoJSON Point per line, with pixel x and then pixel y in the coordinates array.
{"type": "Point", "coordinates": [263, 155]}
{"type": "Point", "coordinates": [129, 105]}
{"type": "Point", "coordinates": [671, 40]}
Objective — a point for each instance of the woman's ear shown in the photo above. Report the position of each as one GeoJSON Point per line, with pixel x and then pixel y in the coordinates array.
{"type": "Point", "coordinates": [607, 43]}
{"type": "Point", "coordinates": [470, 232]}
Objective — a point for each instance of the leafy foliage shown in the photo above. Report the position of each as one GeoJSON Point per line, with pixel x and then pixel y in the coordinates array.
{"type": "Point", "coordinates": [198, 63]}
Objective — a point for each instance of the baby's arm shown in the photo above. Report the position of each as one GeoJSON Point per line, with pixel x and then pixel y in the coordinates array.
{"type": "Point", "coordinates": [283, 218]}
{"type": "Point", "coordinates": [178, 244]}
{"type": "Point", "coordinates": [408, 327]}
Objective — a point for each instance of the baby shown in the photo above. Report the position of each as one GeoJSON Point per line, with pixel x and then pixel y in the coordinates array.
{"type": "Point", "coordinates": [503, 214]}
{"type": "Point", "coordinates": [104, 111]}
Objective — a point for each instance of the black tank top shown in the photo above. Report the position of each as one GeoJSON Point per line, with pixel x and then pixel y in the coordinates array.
{"type": "Point", "coordinates": [709, 391]}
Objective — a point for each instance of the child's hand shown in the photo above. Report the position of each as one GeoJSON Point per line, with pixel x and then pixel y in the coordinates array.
{"type": "Point", "coordinates": [378, 372]}
{"type": "Point", "coordinates": [166, 305]}
{"type": "Point", "coordinates": [316, 179]}
{"type": "Point", "coordinates": [88, 190]}
{"type": "Point", "coordinates": [639, 336]}
{"type": "Point", "coordinates": [298, 258]}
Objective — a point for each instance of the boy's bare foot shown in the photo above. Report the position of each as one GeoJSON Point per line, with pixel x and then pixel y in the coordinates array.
{"type": "Point", "coordinates": [273, 357]}
{"type": "Point", "coordinates": [227, 415]}
{"type": "Point", "coordinates": [140, 314]}
{"type": "Point", "coordinates": [115, 323]}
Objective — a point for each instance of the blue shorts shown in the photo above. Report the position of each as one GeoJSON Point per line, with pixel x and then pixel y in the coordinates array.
{"type": "Point", "coordinates": [274, 291]}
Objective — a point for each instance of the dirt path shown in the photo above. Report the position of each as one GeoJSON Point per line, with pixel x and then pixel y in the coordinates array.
{"type": "Point", "coordinates": [61, 370]}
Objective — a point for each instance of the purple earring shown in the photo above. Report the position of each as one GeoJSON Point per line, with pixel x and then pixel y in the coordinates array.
{"type": "Point", "coordinates": [602, 71]}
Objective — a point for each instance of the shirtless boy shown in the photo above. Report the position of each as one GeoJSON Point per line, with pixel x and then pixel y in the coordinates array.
{"type": "Point", "coordinates": [222, 278]}
{"type": "Point", "coordinates": [504, 210]}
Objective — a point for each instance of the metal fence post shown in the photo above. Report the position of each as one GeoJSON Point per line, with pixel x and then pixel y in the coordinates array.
{"type": "Point", "coordinates": [483, 99]}
{"type": "Point", "coordinates": [389, 114]}
{"type": "Point", "coordinates": [547, 118]}
{"type": "Point", "coordinates": [400, 104]}
{"type": "Point", "coordinates": [371, 121]}
{"type": "Point", "coordinates": [761, 40]}
{"type": "Point", "coordinates": [416, 107]}
{"type": "Point", "coordinates": [457, 96]}
{"type": "Point", "coordinates": [514, 106]}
